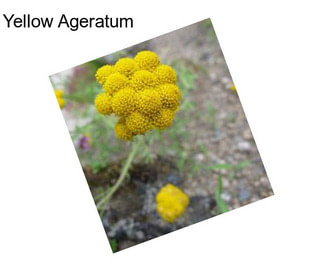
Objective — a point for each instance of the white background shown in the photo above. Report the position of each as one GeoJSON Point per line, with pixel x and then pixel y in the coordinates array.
{"type": "Point", "coordinates": [274, 50]}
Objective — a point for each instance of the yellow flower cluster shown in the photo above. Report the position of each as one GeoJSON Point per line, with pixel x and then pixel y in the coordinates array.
{"type": "Point", "coordinates": [59, 96]}
{"type": "Point", "coordinates": [171, 202]}
{"type": "Point", "coordinates": [140, 91]}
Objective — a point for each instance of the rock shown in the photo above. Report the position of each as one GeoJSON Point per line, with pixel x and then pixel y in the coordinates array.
{"type": "Point", "coordinates": [226, 196]}
{"type": "Point", "coordinates": [199, 157]}
{"type": "Point", "coordinates": [244, 146]}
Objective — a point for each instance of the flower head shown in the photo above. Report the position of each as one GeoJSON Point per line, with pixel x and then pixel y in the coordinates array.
{"type": "Point", "coordinates": [138, 124]}
{"type": "Point", "coordinates": [103, 103]}
{"type": "Point", "coordinates": [59, 96]}
{"type": "Point", "coordinates": [165, 74]}
{"type": "Point", "coordinates": [85, 142]}
{"type": "Point", "coordinates": [114, 82]}
{"type": "Point", "coordinates": [170, 96]}
{"type": "Point", "coordinates": [164, 119]}
{"type": "Point", "coordinates": [103, 72]}
{"type": "Point", "coordinates": [233, 88]}
{"type": "Point", "coordinates": [149, 102]}
{"type": "Point", "coordinates": [147, 60]}
{"type": "Point", "coordinates": [126, 66]}
{"type": "Point", "coordinates": [122, 130]}
{"type": "Point", "coordinates": [141, 92]}
{"type": "Point", "coordinates": [124, 102]}
{"type": "Point", "coordinates": [171, 202]}
{"type": "Point", "coordinates": [143, 79]}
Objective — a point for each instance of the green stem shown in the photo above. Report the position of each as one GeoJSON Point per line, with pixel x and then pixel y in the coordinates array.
{"type": "Point", "coordinates": [125, 169]}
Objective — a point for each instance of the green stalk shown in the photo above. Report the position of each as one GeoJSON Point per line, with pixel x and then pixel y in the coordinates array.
{"type": "Point", "coordinates": [125, 169]}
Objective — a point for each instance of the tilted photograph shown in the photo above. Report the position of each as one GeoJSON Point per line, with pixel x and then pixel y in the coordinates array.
{"type": "Point", "coordinates": [161, 135]}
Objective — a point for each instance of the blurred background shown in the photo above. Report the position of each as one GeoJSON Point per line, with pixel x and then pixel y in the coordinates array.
{"type": "Point", "coordinates": [209, 151]}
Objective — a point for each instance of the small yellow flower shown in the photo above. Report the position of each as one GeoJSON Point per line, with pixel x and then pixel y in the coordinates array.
{"type": "Point", "coordinates": [149, 102]}
{"type": "Point", "coordinates": [170, 96]}
{"type": "Point", "coordinates": [142, 80]}
{"type": "Point", "coordinates": [233, 88]}
{"type": "Point", "coordinates": [138, 124]}
{"type": "Point", "coordinates": [165, 74]}
{"type": "Point", "coordinates": [171, 202]}
{"type": "Point", "coordinates": [164, 119]}
{"type": "Point", "coordinates": [115, 82]}
{"type": "Point", "coordinates": [147, 60]}
{"type": "Point", "coordinates": [59, 96]}
{"type": "Point", "coordinates": [59, 93]}
{"type": "Point", "coordinates": [103, 72]}
{"type": "Point", "coordinates": [61, 102]}
{"type": "Point", "coordinates": [126, 66]}
{"type": "Point", "coordinates": [122, 131]}
{"type": "Point", "coordinates": [103, 103]}
{"type": "Point", "coordinates": [124, 102]}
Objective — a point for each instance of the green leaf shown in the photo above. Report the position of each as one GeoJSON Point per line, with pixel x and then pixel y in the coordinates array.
{"type": "Point", "coordinates": [242, 165]}
{"type": "Point", "coordinates": [221, 166]}
{"type": "Point", "coordinates": [113, 244]}
{"type": "Point", "coordinates": [220, 203]}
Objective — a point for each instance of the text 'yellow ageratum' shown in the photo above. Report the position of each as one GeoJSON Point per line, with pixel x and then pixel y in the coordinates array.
{"type": "Point", "coordinates": [141, 91]}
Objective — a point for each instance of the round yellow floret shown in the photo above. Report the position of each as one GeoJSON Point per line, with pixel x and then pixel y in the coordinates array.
{"type": "Point", "coordinates": [147, 60]}
{"type": "Point", "coordinates": [115, 82]}
{"type": "Point", "coordinates": [233, 88]}
{"type": "Point", "coordinates": [124, 102]}
{"type": "Point", "coordinates": [59, 96]}
{"type": "Point", "coordinates": [171, 202]}
{"type": "Point", "coordinates": [103, 103]}
{"type": "Point", "coordinates": [121, 130]}
{"type": "Point", "coordinates": [142, 80]}
{"type": "Point", "coordinates": [165, 74]}
{"type": "Point", "coordinates": [103, 72]}
{"type": "Point", "coordinates": [126, 66]}
{"type": "Point", "coordinates": [61, 102]}
{"type": "Point", "coordinates": [59, 93]}
{"type": "Point", "coordinates": [149, 102]}
{"type": "Point", "coordinates": [170, 96]}
{"type": "Point", "coordinates": [138, 123]}
{"type": "Point", "coordinates": [164, 119]}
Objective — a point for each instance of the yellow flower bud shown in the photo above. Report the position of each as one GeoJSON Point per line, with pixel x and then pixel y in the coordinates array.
{"type": "Point", "coordinates": [61, 102]}
{"type": "Point", "coordinates": [138, 123]}
{"type": "Point", "coordinates": [142, 80]}
{"type": "Point", "coordinates": [171, 202]}
{"type": "Point", "coordinates": [164, 119]}
{"type": "Point", "coordinates": [126, 66]}
{"type": "Point", "coordinates": [59, 96]}
{"type": "Point", "coordinates": [103, 103]}
{"type": "Point", "coordinates": [149, 102]}
{"type": "Point", "coordinates": [103, 72]}
{"type": "Point", "coordinates": [233, 88]}
{"type": "Point", "coordinates": [59, 93]}
{"type": "Point", "coordinates": [147, 60]}
{"type": "Point", "coordinates": [122, 131]}
{"type": "Point", "coordinates": [124, 102]}
{"type": "Point", "coordinates": [170, 96]}
{"type": "Point", "coordinates": [115, 82]}
{"type": "Point", "coordinates": [165, 75]}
